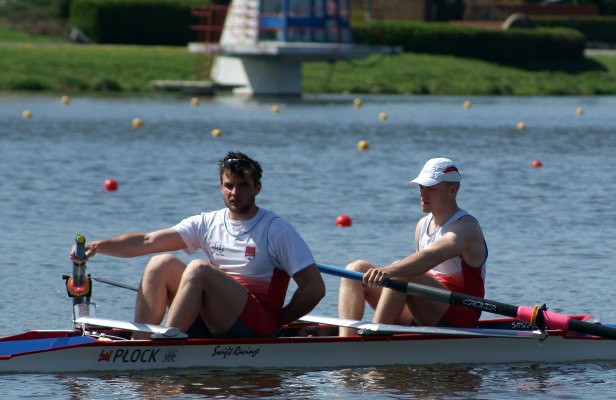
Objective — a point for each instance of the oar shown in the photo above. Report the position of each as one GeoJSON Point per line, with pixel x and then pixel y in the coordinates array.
{"type": "Point", "coordinates": [79, 284]}
{"type": "Point", "coordinates": [537, 316]}
{"type": "Point", "coordinates": [114, 283]}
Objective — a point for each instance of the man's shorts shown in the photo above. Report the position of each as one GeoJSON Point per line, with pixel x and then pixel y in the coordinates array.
{"type": "Point", "coordinates": [254, 321]}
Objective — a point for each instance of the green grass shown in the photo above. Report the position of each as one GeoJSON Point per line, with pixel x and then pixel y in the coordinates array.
{"type": "Point", "coordinates": [34, 56]}
{"type": "Point", "coordinates": [85, 68]}
{"type": "Point", "coordinates": [12, 36]}
{"type": "Point", "coordinates": [61, 67]}
{"type": "Point", "coordinates": [445, 75]}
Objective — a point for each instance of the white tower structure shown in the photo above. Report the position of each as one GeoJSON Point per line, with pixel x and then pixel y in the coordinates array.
{"type": "Point", "coordinates": [264, 42]}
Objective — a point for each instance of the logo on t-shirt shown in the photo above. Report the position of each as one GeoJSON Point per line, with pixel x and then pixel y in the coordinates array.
{"type": "Point", "coordinates": [251, 252]}
{"type": "Point", "coordinates": [218, 248]}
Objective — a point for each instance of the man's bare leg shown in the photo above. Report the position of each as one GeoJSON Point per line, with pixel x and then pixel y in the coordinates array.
{"type": "Point", "coordinates": [353, 296]}
{"type": "Point", "coordinates": [157, 290]}
{"type": "Point", "coordinates": [207, 291]}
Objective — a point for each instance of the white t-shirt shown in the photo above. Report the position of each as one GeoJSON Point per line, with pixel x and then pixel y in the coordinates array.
{"type": "Point", "coordinates": [250, 248]}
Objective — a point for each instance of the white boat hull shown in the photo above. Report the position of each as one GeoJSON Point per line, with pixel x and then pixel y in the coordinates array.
{"type": "Point", "coordinates": [61, 352]}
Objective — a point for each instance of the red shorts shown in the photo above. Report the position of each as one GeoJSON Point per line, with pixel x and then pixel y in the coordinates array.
{"type": "Point", "coordinates": [263, 308]}
{"type": "Point", "coordinates": [254, 321]}
{"type": "Point", "coordinates": [262, 321]}
{"type": "Point", "coordinates": [459, 316]}
{"type": "Point", "coordinates": [262, 311]}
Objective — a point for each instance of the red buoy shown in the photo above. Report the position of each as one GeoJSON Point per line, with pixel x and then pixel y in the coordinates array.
{"type": "Point", "coordinates": [110, 185]}
{"type": "Point", "coordinates": [536, 164]}
{"type": "Point", "coordinates": [343, 220]}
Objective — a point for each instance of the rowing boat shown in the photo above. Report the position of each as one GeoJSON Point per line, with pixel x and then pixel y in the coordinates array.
{"type": "Point", "coordinates": [102, 344]}
{"type": "Point", "coordinates": [105, 345]}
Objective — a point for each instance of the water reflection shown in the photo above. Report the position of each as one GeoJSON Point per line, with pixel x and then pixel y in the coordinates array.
{"type": "Point", "coordinates": [426, 382]}
{"type": "Point", "coordinates": [548, 381]}
{"type": "Point", "coordinates": [190, 384]}
{"type": "Point", "coordinates": [397, 382]}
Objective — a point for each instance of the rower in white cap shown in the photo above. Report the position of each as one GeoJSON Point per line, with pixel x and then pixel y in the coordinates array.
{"type": "Point", "coordinates": [450, 253]}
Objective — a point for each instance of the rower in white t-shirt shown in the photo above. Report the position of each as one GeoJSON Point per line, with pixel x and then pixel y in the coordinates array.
{"type": "Point", "coordinates": [239, 290]}
{"type": "Point", "coordinates": [261, 253]}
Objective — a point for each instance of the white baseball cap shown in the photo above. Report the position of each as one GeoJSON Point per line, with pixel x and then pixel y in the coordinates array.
{"type": "Point", "coordinates": [437, 170]}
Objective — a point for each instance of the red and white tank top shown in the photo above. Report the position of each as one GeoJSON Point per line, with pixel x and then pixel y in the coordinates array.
{"type": "Point", "coordinates": [455, 273]}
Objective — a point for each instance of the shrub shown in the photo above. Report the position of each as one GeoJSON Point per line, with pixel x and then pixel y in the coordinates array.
{"type": "Point", "coordinates": [161, 22]}
{"type": "Point", "coordinates": [596, 29]}
{"type": "Point", "coordinates": [512, 46]}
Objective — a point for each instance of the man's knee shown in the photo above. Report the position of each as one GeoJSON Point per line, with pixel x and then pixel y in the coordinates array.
{"type": "Point", "coordinates": [359, 266]}
{"type": "Point", "coordinates": [200, 269]}
{"type": "Point", "coordinates": [161, 260]}
{"type": "Point", "coordinates": [163, 266]}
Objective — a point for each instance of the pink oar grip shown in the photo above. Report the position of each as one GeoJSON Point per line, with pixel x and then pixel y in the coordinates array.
{"type": "Point", "coordinates": [555, 320]}
{"type": "Point", "coordinates": [552, 320]}
{"type": "Point", "coordinates": [525, 313]}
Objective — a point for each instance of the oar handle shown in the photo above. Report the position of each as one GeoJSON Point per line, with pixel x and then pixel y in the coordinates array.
{"type": "Point", "coordinates": [79, 284]}
{"type": "Point", "coordinates": [80, 246]}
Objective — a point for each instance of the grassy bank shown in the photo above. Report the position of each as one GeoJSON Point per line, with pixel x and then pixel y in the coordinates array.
{"type": "Point", "coordinates": [59, 67]}
{"type": "Point", "coordinates": [445, 75]}
{"type": "Point", "coordinates": [90, 68]}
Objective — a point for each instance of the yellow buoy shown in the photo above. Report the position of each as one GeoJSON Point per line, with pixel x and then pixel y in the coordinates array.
{"type": "Point", "coordinates": [65, 100]}
{"type": "Point", "coordinates": [521, 126]}
{"type": "Point", "coordinates": [362, 145]}
{"type": "Point", "coordinates": [195, 101]}
{"type": "Point", "coordinates": [467, 104]}
{"type": "Point", "coordinates": [357, 103]}
{"type": "Point", "coordinates": [216, 132]}
{"type": "Point", "coordinates": [383, 116]}
{"type": "Point", "coordinates": [275, 109]}
{"type": "Point", "coordinates": [137, 122]}
{"type": "Point", "coordinates": [26, 114]}
{"type": "Point", "coordinates": [579, 111]}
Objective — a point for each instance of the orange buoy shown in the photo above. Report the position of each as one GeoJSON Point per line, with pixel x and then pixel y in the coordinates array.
{"type": "Point", "coordinates": [343, 220]}
{"type": "Point", "coordinates": [536, 164]}
{"type": "Point", "coordinates": [110, 185]}
{"type": "Point", "coordinates": [362, 145]}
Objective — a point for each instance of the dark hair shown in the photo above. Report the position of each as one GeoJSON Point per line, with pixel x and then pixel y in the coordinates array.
{"type": "Point", "coordinates": [238, 164]}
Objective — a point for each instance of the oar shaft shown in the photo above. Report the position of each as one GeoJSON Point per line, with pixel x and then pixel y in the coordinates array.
{"type": "Point", "coordinates": [593, 329]}
{"type": "Point", "coordinates": [433, 293]}
{"type": "Point", "coordinates": [114, 283]}
{"type": "Point", "coordinates": [522, 313]}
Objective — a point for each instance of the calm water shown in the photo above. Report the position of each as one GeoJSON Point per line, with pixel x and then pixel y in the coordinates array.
{"type": "Point", "coordinates": [550, 230]}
